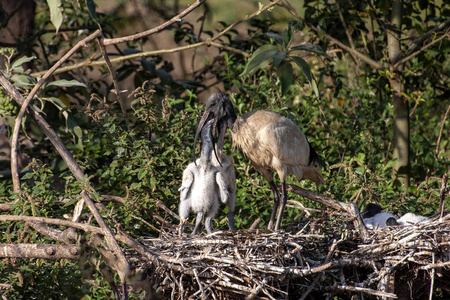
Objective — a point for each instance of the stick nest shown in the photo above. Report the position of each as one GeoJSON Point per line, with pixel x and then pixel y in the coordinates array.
{"type": "Point", "coordinates": [321, 258]}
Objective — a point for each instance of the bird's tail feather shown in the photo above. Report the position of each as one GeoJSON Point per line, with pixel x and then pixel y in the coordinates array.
{"type": "Point", "coordinates": [308, 172]}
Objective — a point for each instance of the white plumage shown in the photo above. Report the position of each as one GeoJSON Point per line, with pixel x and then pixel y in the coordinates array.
{"type": "Point", "coordinates": [205, 182]}
{"type": "Point", "coordinates": [374, 217]}
{"type": "Point", "coordinates": [380, 220]}
{"type": "Point", "coordinates": [412, 219]}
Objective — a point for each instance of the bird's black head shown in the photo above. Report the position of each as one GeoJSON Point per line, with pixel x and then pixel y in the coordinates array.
{"type": "Point", "coordinates": [220, 108]}
{"type": "Point", "coordinates": [371, 210]}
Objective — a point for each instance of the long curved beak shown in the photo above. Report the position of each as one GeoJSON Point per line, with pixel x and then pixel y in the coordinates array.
{"type": "Point", "coordinates": [205, 118]}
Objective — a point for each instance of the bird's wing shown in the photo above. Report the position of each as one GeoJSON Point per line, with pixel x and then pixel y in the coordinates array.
{"type": "Point", "coordinates": [223, 189]}
{"type": "Point", "coordinates": [188, 179]}
{"type": "Point", "coordinates": [287, 142]}
{"type": "Point", "coordinates": [267, 134]}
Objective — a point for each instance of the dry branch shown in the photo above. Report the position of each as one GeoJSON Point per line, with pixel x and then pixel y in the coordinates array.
{"type": "Point", "coordinates": [159, 28]}
{"type": "Point", "coordinates": [39, 251]}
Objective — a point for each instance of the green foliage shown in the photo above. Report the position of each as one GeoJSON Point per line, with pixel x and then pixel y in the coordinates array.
{"type": "Point", "coordinates": [280, 57]}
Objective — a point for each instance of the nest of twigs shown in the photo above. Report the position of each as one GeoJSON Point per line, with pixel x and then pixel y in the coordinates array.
{"type": "Point", "coordinates": [319, 259]}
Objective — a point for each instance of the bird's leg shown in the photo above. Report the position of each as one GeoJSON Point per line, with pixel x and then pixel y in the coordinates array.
{"type": "Point", "coordinates": [276, 195]}
{"type": "Point", "coordinates": [208, 224]}
{"type": "Point", "coordinates": [231, 203]}
{"type": "Point", "coordinates": [198, 222]}
{"type": "Point", "coordinates": [231, 221]}
{"type": "Point", "coordinates": [181, 228]}
{"type": "Point", "coordinates": [283, 201]}
{"type": "Point", "coordinates": [124, 291]}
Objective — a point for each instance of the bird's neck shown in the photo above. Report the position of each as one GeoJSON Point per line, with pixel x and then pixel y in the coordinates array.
{"type": "Point", "coordinates": [206, 152]}
{"type": "Point", "coordinates": [232, 120]}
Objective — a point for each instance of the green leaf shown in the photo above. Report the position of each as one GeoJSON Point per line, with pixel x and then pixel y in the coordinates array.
{"type": "Point", "coordinates": [67, 83]}
{"type": "Point", "coordinates": [75, 130]}
{"type": "Point", "coordinates": [311, 48]}
{"type": "Point", "coordinates": [91, 8]}
{"type": "Point", "coordinates": [259, 57]}
{"type": "Point", "coordinates": [55, 101]}
{"type": "Point", "coordinates": [285, 73]}
{"type": "Point", "coordinates": [278, 39]}
{"type": "Point", "coordinates": [22, 80]}
{"type": "Point", "coordinates": [287, 37]}
{"type": "Point", "coordinates": [307, 72]}
{"type": "Point", "coordinates": [278, 58]}
{"type": "Point", "coordinates": [56, 15]}
{"type": "Point", "coordinates": [142, 173]}
{"type": "Point", "coordinates": [21, 61]}
{"type": "Point", "coordinates": [304, 66]}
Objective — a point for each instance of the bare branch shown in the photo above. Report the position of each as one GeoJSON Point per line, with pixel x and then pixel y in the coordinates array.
{"type": "Point", "coordinates": [109, 237]}
{"type": "Point", "coordinates": [175, 19]}
{"type": "Point", "coordinates": [347, 32]}
{"type": "Point", "coordinates": [264, 8]}
{"type": "Point", "coordinates": [360, 289]}
{"type": "Point", "coordinates": [317, 197]}
{"type": "Point", "coordinates": [426, 35]}
{"type": "Point", "coordinates": [59, 222]}
{"type": "Point", "coordinates": [373, 63]}
{"type": "Point", "coordinates": [91, 63]}
{"type": "Point", "coordinates": [55, 234]}
{"type": "Point", "coordinates": [113, 73]}
{"type": "Point", "coordinates": [442, 129]}
{"type": "Point", "coordinates": [442, 193]}
{"type": "Point", "coordinates": [39, 251]}
{"type": "Point", "coordinates": [407, 58]}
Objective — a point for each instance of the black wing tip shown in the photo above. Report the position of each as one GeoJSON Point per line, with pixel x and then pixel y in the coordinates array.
{"type": "Point", "coordinates": [313, 156]}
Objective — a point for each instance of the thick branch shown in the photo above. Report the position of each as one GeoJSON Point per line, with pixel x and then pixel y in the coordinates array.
{"type": "Point", "coordinates": [110, 240]}
{"type": "Point", "coordinates": [317, 197]}
{"type": "Point", "coordinates": [59, 222]}
{"type": "Point", "coordinates": [351, 208]}
{"type": "Point", "coordinates": [55, 234]}
{"type": "Point", "coordinates": [39, 251]}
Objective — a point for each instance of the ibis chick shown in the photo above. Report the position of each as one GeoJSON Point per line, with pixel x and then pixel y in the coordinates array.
{"type": "Point", "coordinates": [205, 182]}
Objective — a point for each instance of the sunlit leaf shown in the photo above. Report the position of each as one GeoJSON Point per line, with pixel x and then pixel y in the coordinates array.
{"type": "Point", "coordinates": [67, 83]}
{"type": "Point", "coordinates": [142, 173]}
{"type": "Point", "coordinates": [21, 61]}
{"type": "Point", "coordinates": [260, 56]}
{"type": "Point", "coordinates": [21, 80]}
{"type": "Point", "coordinates": [56, 15]}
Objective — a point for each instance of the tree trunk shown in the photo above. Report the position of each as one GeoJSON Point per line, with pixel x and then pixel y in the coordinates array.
{"type": "Point", "coordinates": [400, 172]}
